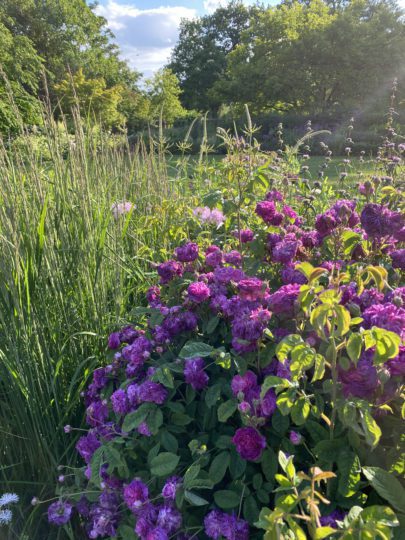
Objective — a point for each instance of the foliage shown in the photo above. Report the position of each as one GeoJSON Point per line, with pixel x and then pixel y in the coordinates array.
{"type": "Point", "coordinates": [91, 98]}
{"type": "Point", "coordinates": [199, 58]}
{"type": "Point", "coordinates": [164, 92]}
{"type": "Point", "coordinates": [310, 56]}
{"type": "Point", "coordinates": [260, 387]}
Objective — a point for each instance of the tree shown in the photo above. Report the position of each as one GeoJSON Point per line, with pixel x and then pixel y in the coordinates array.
{"type": "Point", "coordinates": [92, 97]}
{"type": "Point", "coordinates": [19, 81]}
{"type": "Point", "coordinates": [200, 56]}
{"type": "Point", "coordinates": [164, 94]}
{"type": "Point", "coordinates": [311, 57]}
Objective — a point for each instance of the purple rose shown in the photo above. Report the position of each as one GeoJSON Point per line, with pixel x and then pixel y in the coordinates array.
{"type": "Point", "coordinates": [249, 443]}
{"type": "Point", "coordinates": [387, 316]}
{"type": "Point", "coordinates": [170, 488]}
{"type": "Point", "coordinates": [187, 253]}
{"type": "Point", "coordinates": [194, 373]}
{"type": "Point", "coordinates": [114, 340]}
{"type": "Point", "coordinates": [361, 380]}
{"type": "Point", "coordinates": [168, 270]}
{"type": "Point", "coordinates": [135, 494]}
{"type": "Point", "coordinates": [266, 210]}
{"type": "Point", "coordinates": [283, 300]}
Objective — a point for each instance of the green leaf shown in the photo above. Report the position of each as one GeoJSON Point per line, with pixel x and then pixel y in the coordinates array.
{"type": "Point", "coordinates": [300, 411]}
{"type": "Point", "coordinates": [154, 420]}
{"type": "Point", "coordinates": [226, 410]}
{"type": "Point", "coordinates": [371, 429]}
{"type": "Point", "coordinates": [250, 510]}
{"type": "Point", "coordinates": [226, 499]}
{"type": "Point", "coordinates": [164, 376]}
{"type": "Point", "coordinates": [286, 345]}
{"type": "Point", "coordinates": [193, 349]}
{"type": "Point", "coordinates": [194, 499]}
{"type": "Point", "coordinates": [269, 464]}
{"type": "Point", "coordinates": [324, 532]}
{"type": "Point", "coordinates": [191, 474]}
{"type": "Point", "coordinates": [285, 401]}
{"type": "Point", "coordinates": [212, 324]}
{"type": "Point", "coordinates": [387, 486]}
{"type": "Point", "coordinates": [380, 514]}
{"type": "Point", "coordinates": [164, 464]}
{"type": "Point", "coordinates": [303, 358]}
{"type": "Point", "coordinates": [273, 382]}
{"type": "Point", "coordinates": [125, 532]}
{"type": "Point", "coordinates": [349, 473]}
{"type": "Point", "coordinates": [212, 395]}
{"type": "Point", "coordinates": [237, 465]}
{"type": "Point", "coordinates": [319, 370]}
{"type": "Point", "coordinates": [95, 465]}
{"type": "Point", "coordinates": [386, 344]}
{"type": "Point", "coordinates": [219, 466]}
{"type": "Point", "coordinates": [354, 344]}
{"type": "Point", "coordinates": [133, 419]}
{"type": "Point", "coordinates": [169, 442]}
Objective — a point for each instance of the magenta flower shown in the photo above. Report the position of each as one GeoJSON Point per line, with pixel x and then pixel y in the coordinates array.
{"type": "Point", "coordinates": [251, 289]}
{"type": "Point", "coordinates": [198, 292]}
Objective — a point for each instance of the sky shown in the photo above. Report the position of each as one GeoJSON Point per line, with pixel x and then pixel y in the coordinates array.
{"type": "Point", "coordinates": [147, 30]}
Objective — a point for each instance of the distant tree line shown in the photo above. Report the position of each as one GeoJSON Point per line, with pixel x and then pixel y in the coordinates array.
{"type": "Point", "coordinates": [302, 55]}
{"type": "Point", "coordinates": [310, 57]}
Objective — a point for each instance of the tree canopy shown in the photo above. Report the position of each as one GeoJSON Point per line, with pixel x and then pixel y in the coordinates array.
{"type": "Point", "coordinates": [312, 55]}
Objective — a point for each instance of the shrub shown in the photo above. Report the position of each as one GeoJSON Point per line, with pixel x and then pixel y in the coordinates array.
{"type": "Point", "coordinates": [260, 387]}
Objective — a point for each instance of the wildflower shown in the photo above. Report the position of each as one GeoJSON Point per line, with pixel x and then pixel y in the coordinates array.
{"type": "Point", "coordinates": [121, 208]}
{"type": "Point", "coordinates": [59, 513]}
{"type": "Point", "coordinates": [198, 292]}
{"type": "Point", "coordinates": [171, 486]}
{"type": "Point", "coordinates": [274, 195]}
{"type": "Point", "coordinates": [211, 217]}
{"type": "Point", "coordinates": [135, 494]}
{"type": "Point", "coordinates": [249, 443]}
{"type": "Point", "coordinates": [194, 373]}
{"type": "Point", "coordinates": [157, 534]}
{"type": "Point", "coordinates": [187, 253]}
{"type": "Point", "coordinates": [325, 223]}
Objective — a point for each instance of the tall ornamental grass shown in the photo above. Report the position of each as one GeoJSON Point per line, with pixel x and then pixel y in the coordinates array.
{"type": "Point", "coordinates": [71, 266]}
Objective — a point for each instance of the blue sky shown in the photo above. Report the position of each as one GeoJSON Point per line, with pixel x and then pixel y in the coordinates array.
{"type": "Point", "coordinates": [146, 30]}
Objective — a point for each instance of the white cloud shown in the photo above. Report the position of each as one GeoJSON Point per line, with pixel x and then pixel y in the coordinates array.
{"type": "Point", "coordinates": [146, 36]}
{"type": "Point", "coordinates": [212, 5]}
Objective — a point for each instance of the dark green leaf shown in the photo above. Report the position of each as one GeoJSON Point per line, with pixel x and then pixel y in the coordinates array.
{"type": "Point", "coordinates": [387, 486]}
{"type": "Point", "coordinates": [219, 466]}
{"type": "Point", "coordinates": [226, 499]}
{"type": "Point", "coordinates": [193, 349]}
{"type": "Point", "coordinates": [164, 464]}
{"type": "Point", "coordinates": [226, 410]}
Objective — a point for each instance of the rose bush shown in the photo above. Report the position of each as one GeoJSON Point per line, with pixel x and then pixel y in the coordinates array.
{"type": "Point", "coordinates": [259, 392]}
